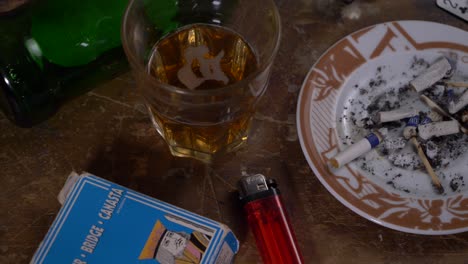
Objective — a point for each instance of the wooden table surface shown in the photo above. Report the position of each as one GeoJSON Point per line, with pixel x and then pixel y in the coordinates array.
{"type": "Point", "coordinates": [107, 132]}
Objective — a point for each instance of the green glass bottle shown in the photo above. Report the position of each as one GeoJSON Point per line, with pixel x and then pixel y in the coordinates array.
{"type": "Point", "coordinates": [54, 50]}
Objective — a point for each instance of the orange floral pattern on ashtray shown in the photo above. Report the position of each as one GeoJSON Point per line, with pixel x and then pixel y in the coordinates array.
{"type": "Point", "coordinates": [328, 74]}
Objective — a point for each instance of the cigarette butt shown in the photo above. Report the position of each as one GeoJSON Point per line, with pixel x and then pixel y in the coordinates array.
{"type": "Point", "coordinates": [451, 99]}
{"type": "Point", "coordinates": [440, 111]}
{"type": "Point", "coordinates": [356, 150]}
{"type": "Point", "coordinates": [435, 107]}
{"type": "Point", "coordinates": [395, 115]}
{"type": "Point", "coordinates": [335, 163]}
{"type": "Point", "coordinates": [431, 75]}
{"type": "Point", "coordinates": [460, 104]}
{"type": "Point", "coordinates": [409, 132]}
{"type": "Point", "coordinates": [437, 129]}
{"type": "Point", "coordinates": [457, 84]}
{"type": "Point", "coordinates": [451, 94]}
{"type": "Point", "coordinates": [435, 180]}
{"type": "Point", "coordinates": [431, 117]}
{"type": "Point", "coordinates": [410, 128]}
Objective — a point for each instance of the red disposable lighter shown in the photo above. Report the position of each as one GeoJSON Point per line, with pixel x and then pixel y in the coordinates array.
{"type": "Point", "coordinates": [268, 220]}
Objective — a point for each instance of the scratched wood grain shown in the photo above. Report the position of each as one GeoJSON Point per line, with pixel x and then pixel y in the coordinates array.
{"type": "Point", "coordinates": [107, 132]}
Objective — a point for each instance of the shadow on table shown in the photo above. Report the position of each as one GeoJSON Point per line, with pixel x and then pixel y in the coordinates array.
{"type": "Point", "coordinates": [151, 169]}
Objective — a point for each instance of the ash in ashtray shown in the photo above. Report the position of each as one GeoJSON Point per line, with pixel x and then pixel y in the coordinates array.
{"type": "Point", "coordinates": [394, 179]}
{"type": "Point", "coordinates": [396, 143]}
{"type": "Point", "coordinates": [406, 160]}
{"type": "Point", "coordinates": [457, 182]}
{"type": "Point", "coordinates": [418, 65]}
{"type": "Point", "coordinates": [387, 101]}
{"type": "Point", "coordinates": [389, 119]}
{"type": "Point", "coordinates": [441, 151]}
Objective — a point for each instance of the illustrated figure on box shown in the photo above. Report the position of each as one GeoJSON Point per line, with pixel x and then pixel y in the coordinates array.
{"type": "Point", "coordinates": [169, 247]}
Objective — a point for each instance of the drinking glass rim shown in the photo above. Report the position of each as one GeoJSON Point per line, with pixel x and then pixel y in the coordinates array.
{"type": "Point", "coordinates": [171, 88]}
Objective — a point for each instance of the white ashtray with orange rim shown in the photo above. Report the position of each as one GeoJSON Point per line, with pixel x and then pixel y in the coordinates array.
{"type": "Point", "coordinates": [367, 72]}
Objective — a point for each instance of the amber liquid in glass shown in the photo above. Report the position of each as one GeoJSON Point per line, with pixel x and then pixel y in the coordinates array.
{"type": "Point", "coordinates": [202, 57]}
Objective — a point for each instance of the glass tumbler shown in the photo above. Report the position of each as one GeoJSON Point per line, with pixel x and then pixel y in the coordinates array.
{"type": "Point", "coordinates": [201, 67]}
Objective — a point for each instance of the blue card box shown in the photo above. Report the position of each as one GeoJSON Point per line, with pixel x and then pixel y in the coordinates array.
{"type": "Point", "coordinates": [102, 222]}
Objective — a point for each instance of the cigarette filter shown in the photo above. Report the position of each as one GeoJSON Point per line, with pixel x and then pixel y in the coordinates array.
{"type": "Point", "coordinates": [462, 102]}
{"type": "Point", "coordinates": [437, 129]}
{"type": "Point", "coordinates": [395, 115]}
{"type": "Point", "coordinates": [268, 220]}
{"type": "Point", "coordinates": [410, 128]}
{"type": "Point", "coordinates": [356, 150]}
{"type": "Point", "coordinates": [431, 75]}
